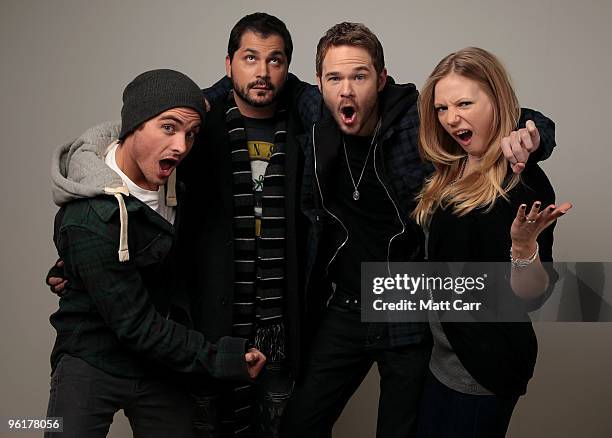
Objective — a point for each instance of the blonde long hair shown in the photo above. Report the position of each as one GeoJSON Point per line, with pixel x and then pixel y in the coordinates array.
{"type": "Point", "coordinates": [480, 188]}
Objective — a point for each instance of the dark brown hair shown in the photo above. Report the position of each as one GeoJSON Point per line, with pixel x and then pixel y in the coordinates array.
{"type": "Point", "coordinates": [262, 24]}
{"type": "Point", "coordinates": [351, 34]}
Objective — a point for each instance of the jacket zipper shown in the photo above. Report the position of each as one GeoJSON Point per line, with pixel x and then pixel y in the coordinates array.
{"type": "Point", "coordinates": [397, 211]}
{"type": "Point", "coordinates": [314, 149]}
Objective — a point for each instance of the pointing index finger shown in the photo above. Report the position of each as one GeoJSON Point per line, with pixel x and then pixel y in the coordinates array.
{"type": "Point", "coordinates": [532, 129]}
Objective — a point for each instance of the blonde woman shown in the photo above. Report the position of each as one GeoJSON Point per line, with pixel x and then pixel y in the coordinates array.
{"type": "Point", "coordinates": [476, 209]}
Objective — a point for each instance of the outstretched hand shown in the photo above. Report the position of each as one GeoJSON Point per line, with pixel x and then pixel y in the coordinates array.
{"type": "Point", "coordinates": [526, 227]}
{"type": "Point", "coordinates": [517, 146]}
{"type": "Point", "coordinates": [255, 360]}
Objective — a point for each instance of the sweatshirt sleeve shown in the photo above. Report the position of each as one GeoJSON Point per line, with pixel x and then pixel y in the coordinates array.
{"type": "Point", "coordinates": [217, 92]}
{"type": "Point", "coordinates": [306, 99]}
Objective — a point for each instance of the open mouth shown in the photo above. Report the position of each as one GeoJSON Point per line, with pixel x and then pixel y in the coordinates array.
{"type": "Point", "coordinates": [348, 114]}
{"type": "Point", "coordinates": [465, 135]}
{"type": "Point", "coordinates": [167, 166]}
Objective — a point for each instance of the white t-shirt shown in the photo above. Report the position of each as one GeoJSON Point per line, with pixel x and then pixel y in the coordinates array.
{"type": "Point", "coordinates": [156, 199]}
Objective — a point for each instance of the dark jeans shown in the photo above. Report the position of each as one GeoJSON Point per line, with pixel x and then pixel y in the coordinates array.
{"type": "Point", "coordinates": [88, 398]}
{"type": "Point", "coordinates": [273, 389]}
{"type": "Point", "coordinates": [446, 413]}
{"type": "Point", "coordinates": [267, 397]}
{"type": "Point", "coordinates": [342, 354]}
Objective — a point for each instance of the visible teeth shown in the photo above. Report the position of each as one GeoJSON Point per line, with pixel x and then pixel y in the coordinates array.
{"type": "Point", "coordinates": [463, 131]}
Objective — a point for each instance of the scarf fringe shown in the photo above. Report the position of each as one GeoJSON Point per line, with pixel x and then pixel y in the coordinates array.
{"type": "Point", "coordinates": [270, 340]}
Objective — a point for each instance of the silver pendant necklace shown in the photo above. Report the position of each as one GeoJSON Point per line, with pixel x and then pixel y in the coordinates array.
{"type": "Point", "coordinates": [356, 194]}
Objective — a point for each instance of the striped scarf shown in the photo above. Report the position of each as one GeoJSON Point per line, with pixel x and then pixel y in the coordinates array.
{"type": "Point", "coordinates": [259, 262]}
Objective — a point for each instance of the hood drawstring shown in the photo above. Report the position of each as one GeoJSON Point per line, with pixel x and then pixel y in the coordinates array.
{"type": "Point", "coordinates": [171, 190]}
{"type": "Point", "coordinates": [118, 193]}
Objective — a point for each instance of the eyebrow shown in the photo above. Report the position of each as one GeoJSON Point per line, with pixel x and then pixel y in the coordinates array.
{"type": "Point", "coordinates": [355, 70]}
{"type": "Point", "coordinates": [257, 52]}
{"type": "Point", "coordinates": [456, 101]}
{"type": "Point", "coordinates": [277, 53]}
{"type": "Point", "coordinates": [173, 118]}
{"type": "Point", "coordinates": [179, 121]}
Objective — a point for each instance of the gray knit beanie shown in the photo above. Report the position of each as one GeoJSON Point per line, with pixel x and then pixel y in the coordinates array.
{"type": "Point", "coordinates": [154, 92]}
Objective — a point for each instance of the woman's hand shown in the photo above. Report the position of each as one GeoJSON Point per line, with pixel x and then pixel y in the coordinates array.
{"type": "Point", "coordinates": [526, 227]}
{"type": "Point", "coordinates": [520, 144]}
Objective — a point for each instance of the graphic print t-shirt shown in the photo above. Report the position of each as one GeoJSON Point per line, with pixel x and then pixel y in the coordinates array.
{"type": "Point", "coordinates": [260, 138]}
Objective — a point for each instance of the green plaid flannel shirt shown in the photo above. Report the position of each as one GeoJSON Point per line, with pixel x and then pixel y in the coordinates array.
{"type": "Point", "coordinates": [116, 315]}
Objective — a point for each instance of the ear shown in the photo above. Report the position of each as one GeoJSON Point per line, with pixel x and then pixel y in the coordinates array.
{"type": "Point", "coordinates": [228, 66]}
{"type": "Point", "coordinates": [382, 79]}
{"type": "Point", "coordinates": [319, 84]}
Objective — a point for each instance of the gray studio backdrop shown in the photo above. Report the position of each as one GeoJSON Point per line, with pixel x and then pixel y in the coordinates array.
{"type": "Point", "coordinates": [65, 63]}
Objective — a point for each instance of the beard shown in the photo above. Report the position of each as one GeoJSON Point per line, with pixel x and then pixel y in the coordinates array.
{"type": "Point", "coordinates": [243, 92]}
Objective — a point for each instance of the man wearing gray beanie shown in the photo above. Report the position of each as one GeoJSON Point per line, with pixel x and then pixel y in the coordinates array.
{"type": "Point", "coordinates": [122, 324]}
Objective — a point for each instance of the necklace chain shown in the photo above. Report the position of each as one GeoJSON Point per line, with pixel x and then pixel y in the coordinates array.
{"type": "Point", "coordinates": [356, 194]}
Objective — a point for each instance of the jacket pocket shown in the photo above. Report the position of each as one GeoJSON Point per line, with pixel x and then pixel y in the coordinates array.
{"type": "Point", "coordinates": [154, 252]}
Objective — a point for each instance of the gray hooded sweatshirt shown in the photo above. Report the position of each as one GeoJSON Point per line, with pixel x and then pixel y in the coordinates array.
{"type": "Point", "coordinates": [78, 171]}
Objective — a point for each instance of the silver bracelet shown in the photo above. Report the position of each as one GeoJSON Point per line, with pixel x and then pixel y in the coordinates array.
{"type": "Point", "coordinates": [521, 263]}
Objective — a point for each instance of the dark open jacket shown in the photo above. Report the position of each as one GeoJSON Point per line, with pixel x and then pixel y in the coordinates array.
{"type": "Point", "coordinates": [208, 253]}
{"type": "Point", "coordinates": [499, 356]}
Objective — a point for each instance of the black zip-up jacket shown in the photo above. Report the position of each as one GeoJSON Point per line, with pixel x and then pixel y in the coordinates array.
{"type": "Point", "coordinates": [400, 170]}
